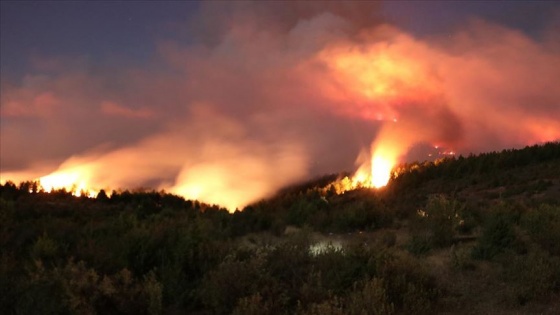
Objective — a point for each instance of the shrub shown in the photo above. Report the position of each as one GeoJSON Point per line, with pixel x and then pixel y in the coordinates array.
{"type": "Point", "coordinates": [497, 236]}
{"type": "Point", "coordinates": [76, 289]}
{"type": "Point", "coordinates": [461, 258]}
{"type": "Point", "coordinates": [331, 306]}
{"type": "Point", "coordinates": [338, 271]}
{"type": "Point", "coordinates": [370, 299]}
{"type": "Point", "coordinates": [419, 244]}
{"type": "Point", "coordinates": [389, 238]}
{"type": "Point", "coordinates": [443, 219]}
{"type": "Point", "coordinates": [41, 294]}
{"type": "Point", "coordinates": [543, 225]}
{"type": "Point", "coordinates": [45, 248]}
{"type": "Point", "coordinates": [417, 299]}
{"type": "Point", "coordinates": [535, 275]}
{"type": "Point", "coordinates": [408, 285]}
{"type": "Point", "coordinates": [230, 281]}
{"type": "Point", "coordinates": [252, 305]}
{"type": "Point", "coordinates": [435, 226]}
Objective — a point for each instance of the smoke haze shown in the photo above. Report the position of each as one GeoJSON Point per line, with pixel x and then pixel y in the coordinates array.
{"type": "Point", "coordinates": [267, 93]}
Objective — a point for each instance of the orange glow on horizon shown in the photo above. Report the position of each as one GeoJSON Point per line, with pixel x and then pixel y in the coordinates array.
{"type": "Point", "coordinates": [74, 180]}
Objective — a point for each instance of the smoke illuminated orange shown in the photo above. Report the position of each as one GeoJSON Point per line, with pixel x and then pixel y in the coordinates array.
{"type": "Point", "coordinates": [374, 80]}
{"type": "Point", "coordinates": [467, 93]}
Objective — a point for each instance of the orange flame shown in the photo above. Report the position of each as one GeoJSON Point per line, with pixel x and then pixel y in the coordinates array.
{"type": "Point", "coordinates": [74, 179]}
{"type": "Point", "coordinates": [77, 176]}
{"type": "Point", "coordinates": [374, 173]}
{"type": "Point", "coordinates": [380, 171]}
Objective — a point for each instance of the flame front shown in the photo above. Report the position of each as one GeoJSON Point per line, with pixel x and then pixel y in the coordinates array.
{"type": "Point", "coordinates": [376, 172]}
{"type": "Point", "coordinates": [74, 180]}
{"type": "Point", "coordinates": [380, 171]}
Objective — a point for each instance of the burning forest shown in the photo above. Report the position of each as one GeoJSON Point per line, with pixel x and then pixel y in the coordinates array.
{"type": "Point", "coordinates": [169, 157]}
{"type": "Point", "coordinates": [264, 95]}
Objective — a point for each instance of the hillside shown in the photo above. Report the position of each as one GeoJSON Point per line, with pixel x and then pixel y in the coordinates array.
{"type": "Point", "coordinates": [467, 235]}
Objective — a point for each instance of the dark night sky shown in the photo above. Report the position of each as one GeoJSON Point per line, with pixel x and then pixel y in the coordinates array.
{"type": "Point", "coordinates": [99, 29]}
{"type": "Point", "coordinates": [129, 30]}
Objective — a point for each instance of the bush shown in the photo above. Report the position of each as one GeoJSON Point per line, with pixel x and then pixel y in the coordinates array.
{"type": "Point", "coordinates": [370, 299]}
{"type": "Point", "coordinates": [232, 280]}
{"type": "Point", "coordinates": [417, 299]}
{"type": "Point", "coordinates": [331, 306]}
{"type": "Point", "coordinates": [389, 238]}
{"type": "Point", "coordinates": [535, 275]}
{"type": "Point", "coordinates": [461, 258]}
{"type": "Point", "coordinates": [443, 219]}
{"type": "Point", "coordinates": [252, 305]}
{"type": "Point", "coordinates": [366, 297]}
{"type": "Point", "coordinates": [498, 235]}
{"type": "Point", "coordinates": [76, 289]}
{"type": "Point", "coordinates": [543, 225]}
{"type": "Point", "coordinates": [41, 294]}
{"type": "Point", "coordinates": [338, 271]}
{"type": "Point", "coordinates": [435, 226]}
{"type": "Point", "coordinates": [45, 248]}
{"type": "Point", "coordinates": [408, 285]}
{"type": "Point", "coordinates": [419, 244]}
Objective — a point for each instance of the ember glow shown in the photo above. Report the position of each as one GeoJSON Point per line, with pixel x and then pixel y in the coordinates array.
{"type": "Point", "coordinates": [265, 94]}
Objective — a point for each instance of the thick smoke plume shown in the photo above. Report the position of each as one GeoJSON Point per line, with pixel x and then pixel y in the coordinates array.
{"type": "Point", "coordinates": [269, 94]}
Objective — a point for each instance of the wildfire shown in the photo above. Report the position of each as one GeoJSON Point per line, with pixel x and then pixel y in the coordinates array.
{"type": "Point", "coordinates": [73, 180]}
{"type": "Point", "coordinates": [73, 176]}
{"type": "Point", "coordinates": [374, 173]}
{"type": "Point", "coordinates": [380, 171]}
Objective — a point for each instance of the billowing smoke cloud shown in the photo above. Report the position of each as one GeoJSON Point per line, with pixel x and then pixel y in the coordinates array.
{"type": "Point", "coordinates": [269, 94]}
{"type": "Point", "coordinates": [485, 88]}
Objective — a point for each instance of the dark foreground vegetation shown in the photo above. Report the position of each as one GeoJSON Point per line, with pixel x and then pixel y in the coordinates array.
{"type": "Point", "coordinates": [467, 235]}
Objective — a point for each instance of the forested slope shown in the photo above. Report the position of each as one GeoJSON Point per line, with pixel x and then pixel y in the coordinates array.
{"type": "Point", "coordinates": [439, 232]}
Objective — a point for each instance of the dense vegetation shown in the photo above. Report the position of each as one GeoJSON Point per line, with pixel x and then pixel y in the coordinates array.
{"type": "Point", "coordinates": [477, 234]}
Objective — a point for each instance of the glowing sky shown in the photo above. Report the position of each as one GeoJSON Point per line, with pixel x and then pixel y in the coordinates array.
{"type": "Point", "coordinates": [228, 102]}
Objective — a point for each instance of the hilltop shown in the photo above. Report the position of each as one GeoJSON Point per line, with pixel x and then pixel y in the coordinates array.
{"type": "Point", "coordinates": [436, 234]}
